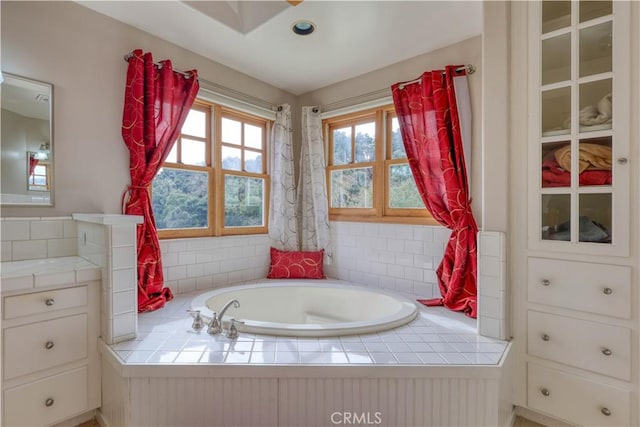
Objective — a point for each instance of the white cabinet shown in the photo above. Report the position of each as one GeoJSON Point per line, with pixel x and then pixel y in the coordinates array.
{"type": "Point", "coordinates": [51, 369]}
{"type": "Point", "coordinates": [576, 307]}
{"type": "Point", "coordinates": [579, 104]}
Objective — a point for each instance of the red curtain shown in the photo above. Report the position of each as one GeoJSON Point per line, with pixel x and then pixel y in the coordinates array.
{"type": "Point", "coordinates": [33, 162]}
{"type": "Point", "coordinates": [156, 103]}
{"type": "Point", "coordinates": [430, 127]}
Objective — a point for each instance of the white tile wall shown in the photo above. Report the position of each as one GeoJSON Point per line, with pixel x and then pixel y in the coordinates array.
{"type": "Point", "coordinates": [113, 248]}
{"type": "Point", "coordinates": [34, 238]}
{"type": "Point", "coordinates": [396, 257]}
{"type": "Point", "coordinates": [492, 290]}
{"type": "Point", "coordinates": [212, 262]}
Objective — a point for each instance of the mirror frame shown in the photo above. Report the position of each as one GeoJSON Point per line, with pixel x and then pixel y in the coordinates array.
{"type": "Point", "coordinates": [7, 78]}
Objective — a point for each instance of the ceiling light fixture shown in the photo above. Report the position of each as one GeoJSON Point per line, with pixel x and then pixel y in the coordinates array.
{"type": "Point", "coordinates": [303, 28]}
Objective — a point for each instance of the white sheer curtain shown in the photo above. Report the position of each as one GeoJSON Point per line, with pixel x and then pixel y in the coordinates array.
{"type": "Point", "coordinates": [283, 225]}
{"type": "Point", "coordinates": [313, 208]}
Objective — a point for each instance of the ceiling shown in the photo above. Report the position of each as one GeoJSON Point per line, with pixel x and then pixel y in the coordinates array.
{"type": "Point", "coordinates": [27, 98]}
{"type": "Point", "coordinates": [255, 37]}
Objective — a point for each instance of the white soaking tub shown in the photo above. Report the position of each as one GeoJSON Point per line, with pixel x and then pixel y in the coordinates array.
{"type": "Point", "coordinates": [308, 308]}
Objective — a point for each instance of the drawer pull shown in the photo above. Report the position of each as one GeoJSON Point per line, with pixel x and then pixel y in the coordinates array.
{"type": "Point", "coordinates": [607, 291]}
{"type": "Point", "coordinates": [545, 392]}
{"type": "Point", "coordinates": [50, 302]}
{"type": "Point", "coordinates": [545, 282]}
{"type": "Point", "coordinates": [545, 337]}
{"type": "Point", "coordinates": [606, 412]}
{"type": "Point", "coordinates": [607, 352]}
{"type": "Point", "coordinates": [49, 345]}
{"type": "Point", "coordinates": [49, 402]}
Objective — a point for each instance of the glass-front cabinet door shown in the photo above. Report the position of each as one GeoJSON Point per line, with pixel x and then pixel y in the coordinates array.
{"type": "Point", "coordinates": [579, 128]}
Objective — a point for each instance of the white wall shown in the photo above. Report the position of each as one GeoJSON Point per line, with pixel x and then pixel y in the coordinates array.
{"type": "Point", "coordinates": [81, 53]}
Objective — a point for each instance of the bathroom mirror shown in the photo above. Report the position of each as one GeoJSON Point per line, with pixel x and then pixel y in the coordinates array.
{"type": "Point", "coordinates": [26, 146]}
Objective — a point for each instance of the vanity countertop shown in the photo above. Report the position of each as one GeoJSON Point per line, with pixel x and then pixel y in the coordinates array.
{"type": "Point", "coordinates": [46, 272]}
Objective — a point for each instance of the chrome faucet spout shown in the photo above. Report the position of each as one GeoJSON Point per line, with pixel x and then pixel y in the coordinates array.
{"type": "Point", "coordinates": [234, 302]}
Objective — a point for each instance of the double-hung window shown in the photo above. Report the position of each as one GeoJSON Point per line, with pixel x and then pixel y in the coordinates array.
{"type": "Point", "coordinates": [214, 180]}
{"type": "Point", "coordinates": [368, 174]}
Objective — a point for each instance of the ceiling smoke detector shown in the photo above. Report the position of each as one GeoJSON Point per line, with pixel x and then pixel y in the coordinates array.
{"type": "Point", "coordinates": [303, 28]}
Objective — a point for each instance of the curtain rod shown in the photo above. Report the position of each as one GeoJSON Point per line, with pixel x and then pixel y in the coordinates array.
{"type": "Point", "coordinates": [219, 88]}
{"type": "Point", "coordinates": [130, 55]}
{"type": "Point", "coordinates": [469, 68]}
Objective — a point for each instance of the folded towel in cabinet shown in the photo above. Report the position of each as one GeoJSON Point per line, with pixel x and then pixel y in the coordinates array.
{"type": "Point", "coordinates": [591, 156]}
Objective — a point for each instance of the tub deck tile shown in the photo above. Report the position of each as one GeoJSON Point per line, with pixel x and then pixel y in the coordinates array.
{"type": "Point", "coordinates": [436, 337]}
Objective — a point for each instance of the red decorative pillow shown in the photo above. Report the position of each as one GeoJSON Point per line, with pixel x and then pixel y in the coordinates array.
{"type": "Point", "coordinates": [296, 264]}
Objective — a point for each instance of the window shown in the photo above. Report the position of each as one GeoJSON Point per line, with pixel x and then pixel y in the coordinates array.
{"type": "Point", "coordinates": [214, 181]}
{"type": "Point", "coordinates": [39, 179]}
{"type": "Point", "coordinates": [368, 175]}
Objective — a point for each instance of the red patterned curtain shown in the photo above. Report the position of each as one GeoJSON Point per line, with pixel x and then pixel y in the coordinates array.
{"type": "Point", "coordinates": [431, 130]}
{"type": "Point", "coordinates": [156, 103]}
{"type": "Point", "coordinates": [33, 162]}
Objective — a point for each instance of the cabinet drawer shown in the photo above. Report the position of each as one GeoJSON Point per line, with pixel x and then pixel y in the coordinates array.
{"type": "Point", "coordinates": [588, 345]}
{"type": "Point", "coordinates": [46, 401]}
{"type": "Point", "coordinates": [596, 288]}
{"type": "Point", "coordinates": [576, 399]}
{"type": "Point", "coordinates": [42, 345]}
{"type": "Point", "coordinates": [44, 302]}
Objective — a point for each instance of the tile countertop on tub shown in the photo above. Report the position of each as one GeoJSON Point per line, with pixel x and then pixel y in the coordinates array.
{"type": "Point", "coordinates": [436, 337]}
{"type": "Point", "coordinates": [46, 272]}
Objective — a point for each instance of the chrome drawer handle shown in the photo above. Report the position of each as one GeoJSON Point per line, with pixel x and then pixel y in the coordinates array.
{"type": "Point", "coordinates": [50, 302]}
{"type": "Point", "coordinates": [48, 402]}
{"type": "Point", "coordinates": [607, 291]}
{"type": "Point", "coordinates": [49, 345]}
{"type": "Point", "coordinates": [545, 392]}
{"type": "Point", "coordinates": [606, 412]}
{"type": "Point", "coordinates": [545, 337]}
{"type": "Point", "coordinates": [607, 352]}
{"type": "Point", "coordinates": [545, 282]}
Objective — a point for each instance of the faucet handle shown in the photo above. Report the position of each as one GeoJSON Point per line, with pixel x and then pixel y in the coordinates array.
{"type": "Point", "coordinates": [197, 324]}
{"type": "Point", "coordinates": [232, 332]}
{"type": "Point", "coordinates": [215, 327]}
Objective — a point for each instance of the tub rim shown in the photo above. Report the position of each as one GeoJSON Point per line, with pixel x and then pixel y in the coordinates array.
{"type": "Point", "coordinates": [409, 310]}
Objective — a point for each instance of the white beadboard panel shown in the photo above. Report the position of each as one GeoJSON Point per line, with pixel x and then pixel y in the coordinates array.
{"type": "Point", "coordinates": [202, 402]}
{"type": "Point", "coordinates": [114, 410]}
{"type": "Point", "coordinates": [390, 401]}
{"type": "Point", "coordinates": [299, 402]}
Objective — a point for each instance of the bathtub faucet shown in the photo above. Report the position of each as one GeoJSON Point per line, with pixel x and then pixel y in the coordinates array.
{"type": "Point", "coordinates": [217, 329]}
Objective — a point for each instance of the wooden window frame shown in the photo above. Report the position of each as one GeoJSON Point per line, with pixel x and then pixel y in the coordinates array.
{"type": "Point", "coordinates": [380, 210]}
{"type": "Point", "coordinates": [221, 174]}
{"type": "Point", "coordinates": [32, 186]}
{"type": "Point", "coordinates": [216, 175]}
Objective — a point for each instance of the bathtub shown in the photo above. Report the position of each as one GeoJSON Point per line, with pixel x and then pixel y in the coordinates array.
{"type": "Point", "coordinates": [308, 308]}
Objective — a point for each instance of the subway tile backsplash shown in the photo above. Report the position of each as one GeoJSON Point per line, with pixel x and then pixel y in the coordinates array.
{"type": "Point", "coordinates": [396, 257]}
{"type": "Point", "coordinates": [213, 262]}
{"type": "Point", "coordinates": [33, 238]}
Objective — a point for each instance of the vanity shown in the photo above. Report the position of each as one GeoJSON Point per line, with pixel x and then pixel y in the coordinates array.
{"type": "Point", "coordinates": [66, 282]}
{"type": "Point", "coordinates": [50, 329]}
